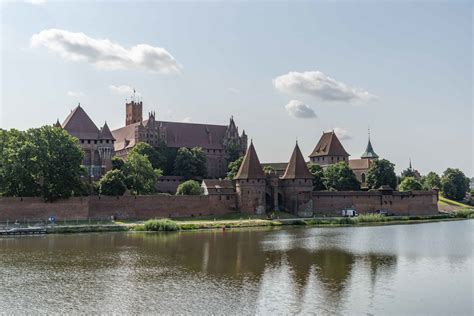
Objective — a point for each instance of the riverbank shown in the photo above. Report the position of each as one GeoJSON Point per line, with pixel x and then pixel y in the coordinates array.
{"type": "Point", "coordinates": [236, 221]}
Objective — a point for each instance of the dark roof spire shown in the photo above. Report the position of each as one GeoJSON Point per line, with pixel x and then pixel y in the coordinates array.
{"type": "Point", "coordinates": [297, 168]}
{"type": "Point", "coordinates": [369, 151]}
{"type": "Point", "coordinates": [329, 145]}
{"type": "Point", "coordinates": [250, 167]}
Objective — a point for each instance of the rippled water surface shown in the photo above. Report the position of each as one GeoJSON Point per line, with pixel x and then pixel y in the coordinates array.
{"type": "Point", "coordinates": [409, 269]}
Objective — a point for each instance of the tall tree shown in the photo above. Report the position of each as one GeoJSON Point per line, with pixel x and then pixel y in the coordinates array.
{"type": "Point", "coordinates": [381, 172]}
{"type": "Point", "coordinates": [454, 184]}
{"type": "Point", "coordinates": [431, 181]}
{"type": "Point", "coordinates": [19, 164]}
{"type": "Point", "coordinates": [60, 157]}
{"type": "Point", "coordinates": [190, 163]}
{"type": "Point", "coordinates": [233, 152]}
{"type": "Point", "coordinates": [156, 157]}
{"type": "Point", "coordinates": [112, 183]}
{"type": "Point", "coordinates": [410, 184]}
{"type": "Point", "coordinates": [318, 177]}
{"type": "Point", "coordinates": [140, 176]}
{"type": "Point", "coordinates": [340, 177]}
{"type": "Point", "coordinates": [233, 168]}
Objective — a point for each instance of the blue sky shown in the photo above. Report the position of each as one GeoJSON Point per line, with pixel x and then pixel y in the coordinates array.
{"type": "Point", "coordinates": [285, 71]}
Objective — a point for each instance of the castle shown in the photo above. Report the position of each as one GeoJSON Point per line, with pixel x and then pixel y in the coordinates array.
{"type": "Point", "coordinates": [215, 140]}
{"type": "Point", "coordinates": [99, 145]}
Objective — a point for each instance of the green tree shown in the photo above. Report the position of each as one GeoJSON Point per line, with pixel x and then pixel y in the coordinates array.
{"type": "Point", "coordinates": [454, 184]}
{"type": "Point", "coordinates": [431, 181]}
{"type": "Point", "coordinates": [189, 187]}
{"type": "Point", "coordinates": [318, 177]}
{"type": "Point", "coordinates": [59, 158]}
{"type": "Point", "coordinates": [233, 168]}
{"type": "Point", "coordinates": [409, 184]}
{"type": "Point", "coordinates": [233, 152]}
{"type": "Point", "coordinates": [408, 173]}
{"type": "Point", "coordinates": [381, 172]}
{"type": "Point", "coordinates": [112, 183]}
{"type": "Point", "coordinates": [268, 169]}
{"type": "Point", "coordinates": [117, 163]}
{"type": "Point", "coordinates": [140, 177]}
{"type": "Point", "coordinates": [19, 165]}
{"type": "Point", "coordinates": [157, 158]}
{"type": "Point", "coordinates": [340, 177]}
{"type": "Point", "coordinates": [190, 163]}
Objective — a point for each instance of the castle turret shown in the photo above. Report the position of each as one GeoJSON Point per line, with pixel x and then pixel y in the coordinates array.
{"type": "Point", "coordinates": [296, 180]}
{"type": "Point", "coordinates": [329, 150]}
{"type": "Point", "coordinates": [250, 184]}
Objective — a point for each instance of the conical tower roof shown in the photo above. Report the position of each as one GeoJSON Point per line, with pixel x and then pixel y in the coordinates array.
{"type": "Point", "coordinates": [369, 152]}
{"type": "Point", "coordinates": [80, 125]}
{"type": "Point", "coordinates": [250, 167]}
{"type": "Point", "coordinates": [297, 168]}
{"type": "Point", "coordinates": [105, 132]}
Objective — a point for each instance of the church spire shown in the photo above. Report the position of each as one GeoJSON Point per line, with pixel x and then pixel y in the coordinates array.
{"type": "Point", "coordinates": [369, 151]}
{"type": "Point", "coordinates": [250, 167]}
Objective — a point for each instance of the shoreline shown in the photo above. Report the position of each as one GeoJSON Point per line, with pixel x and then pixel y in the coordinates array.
{"type": "Point", "coordinates": [234, 224]}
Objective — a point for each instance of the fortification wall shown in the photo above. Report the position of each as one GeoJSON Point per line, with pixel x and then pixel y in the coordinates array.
{"type": "Point", "coordinates": [398, 203]}
{"type": "Point", "coordinates": [124, 207]}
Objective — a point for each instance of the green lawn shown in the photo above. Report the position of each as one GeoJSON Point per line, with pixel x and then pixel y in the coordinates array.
{"type": "Point", "coordinates": [445, 201]}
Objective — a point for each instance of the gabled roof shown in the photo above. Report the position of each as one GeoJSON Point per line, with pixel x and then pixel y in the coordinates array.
{"type": "Point", "coordinates": [369, 152]}
{"type": "Point", "coordinates": [105, 132]}
{"type": "Point", "coordinates": [297, 168]}
{"type": "Point", "coordinates": [359, 164]}
{"type": "Point", "coordinates": [329, 145]}
{"type": "Point", "coordinates": [250, 167]}
{"type": "Point", "coordinates": [80, 125]}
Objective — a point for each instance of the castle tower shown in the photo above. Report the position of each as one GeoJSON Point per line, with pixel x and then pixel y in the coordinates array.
{"type": "Point", "coordinates": [329, 150]}
{"type": "Point", "coordinates": [250, 184]}
{"type": "Point", "coordinates": [296, 180]}
{"type": "Point", "coordinates": [133, 112]}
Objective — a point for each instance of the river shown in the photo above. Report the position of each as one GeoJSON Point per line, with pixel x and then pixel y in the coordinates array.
{"type": "Point", "coordinates": [402, 269]}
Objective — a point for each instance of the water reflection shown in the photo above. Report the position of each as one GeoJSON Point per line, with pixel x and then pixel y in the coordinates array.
{"type": "Point", "coordinates": [300, 270]}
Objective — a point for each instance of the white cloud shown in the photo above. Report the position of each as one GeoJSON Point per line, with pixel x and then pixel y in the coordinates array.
{"type": "Point", "coordinates": [105, 54]}
{"type": "Point", "coordinates": [36, 2]}
{"type": "Point", "coordinates": [75, 93]}
{"type": "Point", "coordinates": [187, 119]}
{"type": "Point", "coordinates": [298, 109]}
{"type": "Point", "coordinates": [123, 90]}
{"type": "Point", "coordinates": [317, 84]}
{"type": "Point", "coordinates": [341, 133]}
{"type": "Point", "coordinates": [233, 90]}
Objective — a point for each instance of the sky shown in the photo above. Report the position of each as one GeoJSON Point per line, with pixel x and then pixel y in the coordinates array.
{"type": "Point", "coordinates": [286, 71]}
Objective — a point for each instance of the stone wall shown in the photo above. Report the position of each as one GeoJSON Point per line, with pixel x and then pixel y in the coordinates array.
{"type": "Point", "coordinates": [398, 203]}
{"type": "Point", "coordinates": [124, 207]}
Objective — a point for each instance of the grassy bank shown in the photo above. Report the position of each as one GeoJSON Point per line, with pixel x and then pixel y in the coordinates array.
{"type": "Point", "coordinates": [362, 220]}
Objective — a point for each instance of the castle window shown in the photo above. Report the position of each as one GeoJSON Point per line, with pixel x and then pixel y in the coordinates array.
{"type": "Point", "coordinates": [82, 141]}
{"type": "Point", "coordinates": [88, 141]}
{"type": "Point", "coordinates": [95, 141]}
{"type": "Point", "coordinates": [363, 177]}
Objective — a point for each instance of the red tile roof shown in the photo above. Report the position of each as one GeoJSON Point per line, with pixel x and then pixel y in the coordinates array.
{"type": "Point", "coordinates": [358, 164]}
{"type": "Point", "coordinates": [297, 168]}
{"type": "Point", "coordinates": [80, 125]}
{"type": "Point", "coordinates": [250, 167]}
{"type": "Point", "coordinates": [329, 145]}
{"type": "Point", "coordinates": [178, 134]}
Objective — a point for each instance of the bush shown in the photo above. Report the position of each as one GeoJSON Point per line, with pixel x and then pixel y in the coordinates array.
{"type": "Point", "coordinates": [370, 218]}
{"type": "Point", "coordinates": [161, 225]}
{"type": "Point", "coordinates": [189, 187]}
{"type": "Point", "coordinates": [409, 184]}
{"type": "Point", "coordinates": [113, 183]}
{"type": "Point", "coordinates": [466, 213]}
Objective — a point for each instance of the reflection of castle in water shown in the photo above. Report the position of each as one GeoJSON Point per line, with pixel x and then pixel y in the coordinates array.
{"type": "Point", "coordinates": [239, 257]}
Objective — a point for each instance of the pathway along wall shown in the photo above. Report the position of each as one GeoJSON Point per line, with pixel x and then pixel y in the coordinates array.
{"type": "Point", "coordinates": [123, 207]}
{"type": "Point", "coordinates": [398, 203]}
